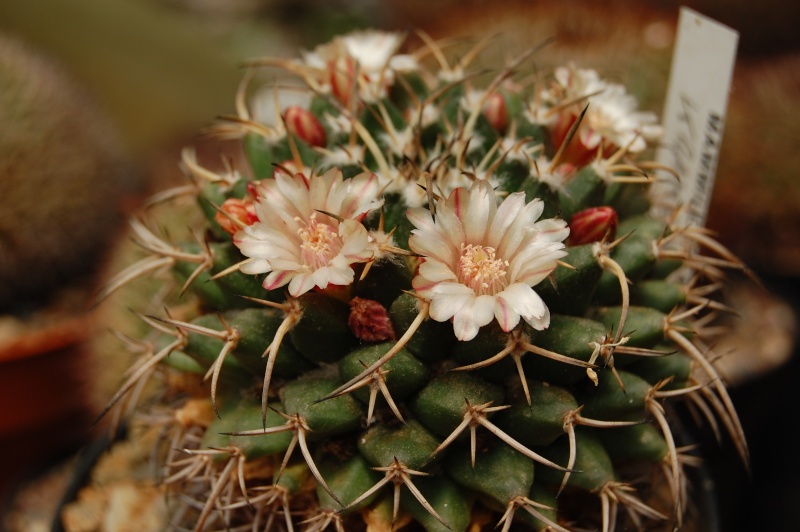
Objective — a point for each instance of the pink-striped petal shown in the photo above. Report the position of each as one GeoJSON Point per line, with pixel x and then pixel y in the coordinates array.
{"type": "Point", "coordinates": [457, 201]}
{"type": "Point", "coordinates": [445, 307]}
{"type": "Point", "coordinates": [300, 284]}
{"type": "Point", "coordinates": [481, 207]}
{"type": "Point", "coordinates": [433, 245]}
{"type": "Point", "coordinates": [437, 271]}
{"type": "Point", "coordinates": [519, 229]}
{"type": "Point", "coordinates": [525, 301]}
{"type": "Point", "coordinates": [294, 190]}
{"type": "Point", "coordinates": [450, 225]}
{"type": "Point", "coordinates": [277, 278]}
{"type": "Point", "coordinates": [471, 317]}
{"type": "Point", "coordinates": [362, 191]}
{"type": "Point", "coordinates": [504, 217]}
{"type": "Point", "coordinates": [552, 230]}
{"type": "Point", "coordinates": [422, 219]}
{"type": "Point", "coordinates": [255, 267]}
{"type": "Point", "coordinates": [506, 316]}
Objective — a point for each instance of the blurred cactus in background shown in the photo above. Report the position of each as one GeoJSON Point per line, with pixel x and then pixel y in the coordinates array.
{"type": "Point", "coordinates": [427, 292]}
{"type": "Point", "coordinates": [64, 174]}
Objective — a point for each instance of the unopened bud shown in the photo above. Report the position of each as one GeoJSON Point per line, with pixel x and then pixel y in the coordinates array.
{"type": "Point", "coordinates": [235, 214]}
{"type": "Point", "coordinates": [303, 124]}
{"type": "Point", "coordinates": [342, 72]}
{"type": "Point", "coordinates": [592, 225]}
{"type": "Point", "coordinates": [496, 112]}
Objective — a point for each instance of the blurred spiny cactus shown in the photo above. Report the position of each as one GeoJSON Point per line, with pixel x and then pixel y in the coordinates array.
{"type": "Point", "coordinates": [63, 177]}
{"type": "Point", "coordinates": [434, 295]}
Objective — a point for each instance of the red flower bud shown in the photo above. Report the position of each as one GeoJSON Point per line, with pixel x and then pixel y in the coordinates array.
{"type": "Point", "coordinates": [369, 321]}
{"type": "Point", "coordinates": [303, 124]}
{"type": "Point", "coordinates": [592, 225]}
{"type": "Point", "coordinates": [496, 112]}
{"type": "Point", "coordinates": [235, 213]}
{"type": "Point", "coordinates": [342, 72]}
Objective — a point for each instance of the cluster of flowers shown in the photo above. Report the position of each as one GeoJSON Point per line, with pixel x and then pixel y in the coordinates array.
{"type": "Point", "coordinates": [480, 254]}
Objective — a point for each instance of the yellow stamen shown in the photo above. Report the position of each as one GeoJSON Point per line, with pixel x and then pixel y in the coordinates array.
{"type": "Point", "coordinates": [480, 270]}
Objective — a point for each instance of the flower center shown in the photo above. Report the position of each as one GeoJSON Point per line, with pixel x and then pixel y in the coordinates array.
{"type": "Point", "coordinates": [319, 243]}
{"type": "Point", "coordinates": [480, 270]}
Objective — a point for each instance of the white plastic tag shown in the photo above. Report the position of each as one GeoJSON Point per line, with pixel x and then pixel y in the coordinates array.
{"type": "Point", "coordinates": [694, 117]}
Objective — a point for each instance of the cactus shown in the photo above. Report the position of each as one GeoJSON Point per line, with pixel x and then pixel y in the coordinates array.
{"type": "Point", "coordinates": [434, 294]}
{"type": "Point", "coordinates": [43, 109]}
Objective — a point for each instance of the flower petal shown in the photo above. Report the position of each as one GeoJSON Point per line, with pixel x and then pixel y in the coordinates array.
{"type": "Point", "coordinates": [539, 323]}
{"type": "Point", "coordinates": [355, 241]}
{"type": "Point", "coordinates": [433, 245]}
{"type": "Point", "coordinates": [447, 288]}
{"type": "Point", "coordinates": [504, 217]}
{"type": "Point", "coordinates": [535, 262]}
{"type": "Point", "coordinates": [300, 284]}
{"type": "Point", "coordinates": [294, 190]}
{"type": "Point", "coordinates": [437, 271]}
{"type": "Point", "coordinates": [506, 316]}
{"type": "Point", "coordinates": [255, 267]}
{"type": "Point", "coordinates": [472, 316]}
{"type": "Point", "coordinates": [524, 300]}
{"type": "Point", "coordinates": [445, 307]}
{"type": "Point", "coordinates": [277, 278]}
{"type": "Point", "coordinates": [338, 275]}
{"type": "Point", "coordinates": [551, 230]}
{"type": "Point", "coordinates": [517, 232]}
{"type": "Point", "coordinates": [362, 191]}
{"type": "Point", "coordinates": [261, 241]}
{"type": "Point", "coordinates": [422, 219]}
{"type": "Point", "coordinates": [451, 226]}
{"type": "Point", "coordinates": [483, 311]}
{"type": "Point", "coordinates": [323, 193]}
{"type": "Point", "coordinates": [480, 209]}
{"type": "Point", "coordinates": [272, 207]}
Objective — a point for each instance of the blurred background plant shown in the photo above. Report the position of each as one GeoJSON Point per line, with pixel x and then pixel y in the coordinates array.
{"type": "Point", "coordinates": [160, 70]}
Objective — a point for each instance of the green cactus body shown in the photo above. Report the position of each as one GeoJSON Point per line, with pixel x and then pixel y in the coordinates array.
{"type": "Point", "coordinates": [392, 275]}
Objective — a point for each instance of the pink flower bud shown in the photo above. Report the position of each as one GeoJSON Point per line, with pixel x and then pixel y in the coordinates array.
{"type": "Point", "coordinates": [369, 321]}
{"type": "Point", "coordinates": [496, 112]}
{"type": "Point", "coordinates": [592, 225]}
{"type": "Point", "coordinates": [342, 72]}
{"type": "Point", "coordinates": [303, 124]}
{"type": "Point", "coordinates": [235, 213]}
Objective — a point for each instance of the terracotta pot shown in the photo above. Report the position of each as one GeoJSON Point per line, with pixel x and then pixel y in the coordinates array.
{"type": "Point", "coordinates": [44, 393]}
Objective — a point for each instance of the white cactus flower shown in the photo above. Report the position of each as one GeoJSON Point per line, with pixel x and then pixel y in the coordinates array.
{"type": "Point", "coordinates": [481, 260]}
{"type": "Point", "coordinates": [375, 56]}
{"type": "Point", "coordinates": [297, 241]}
{"type": "Point", "coordinates": [612, 114]}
